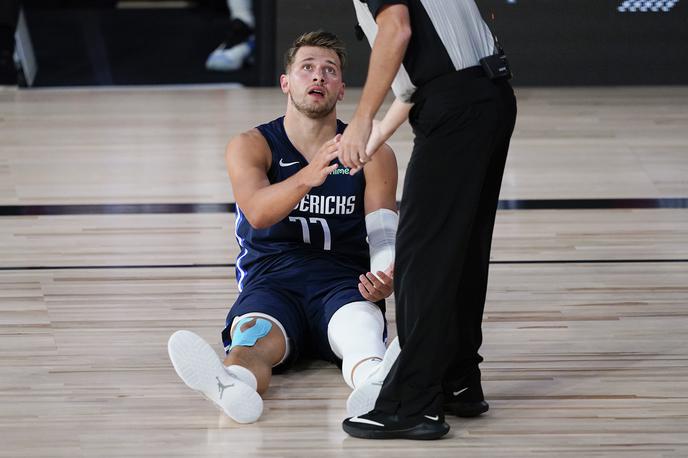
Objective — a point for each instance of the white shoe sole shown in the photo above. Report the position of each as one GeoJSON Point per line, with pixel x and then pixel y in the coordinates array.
{"type": "Point", "coordinates": [199, 367]}
{"type": "Point", "coordinates": [362, 399]}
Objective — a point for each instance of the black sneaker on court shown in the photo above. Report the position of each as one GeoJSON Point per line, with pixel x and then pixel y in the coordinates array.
{"type": "Point", "coordinates": [466, 409]}
{"type": "Point", "coordinates": [465, 398]}
{"type": "Point", "coordinates": [379, 425]}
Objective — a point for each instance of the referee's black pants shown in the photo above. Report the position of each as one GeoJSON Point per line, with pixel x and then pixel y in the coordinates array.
{"type": "Point", "coordinates": [462, 124]}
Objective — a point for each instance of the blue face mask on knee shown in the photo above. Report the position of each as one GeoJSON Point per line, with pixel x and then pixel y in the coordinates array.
{"type": "Point", "coordinates": [250, 336]}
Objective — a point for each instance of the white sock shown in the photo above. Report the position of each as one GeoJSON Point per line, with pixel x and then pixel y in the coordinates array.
{"type": "Point", "coordinates": [241, 9]}
{"type": "Point", "coordinates": [242, 374]}
{"type": "Point", "coordinates": [355, 335]}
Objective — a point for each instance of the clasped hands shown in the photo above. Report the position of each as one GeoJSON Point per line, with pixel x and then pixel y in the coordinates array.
{"type": "Point", "coordinates": [360, 141]}
{"type": "Point", "coordinates": [354, 148]}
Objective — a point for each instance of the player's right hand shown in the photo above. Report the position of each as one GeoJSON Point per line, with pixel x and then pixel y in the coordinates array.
{"type": "Point", "coordinates": [315, 173]}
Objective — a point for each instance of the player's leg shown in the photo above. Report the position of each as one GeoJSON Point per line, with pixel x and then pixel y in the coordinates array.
{"type": "Point", "coordinates": [350, 329]}
{"type": "Point", "coordinates": [259, 343]}
{"type": "Point", "coordinates": [201, 369]}
{"type": "Point", "coordinates": [257, 337]}
{"type": "Point", "coordinates": [237, 47]}
{"type": "Point", "coordinates": [355, 334]}
{"type": "Point", "coordinates": [243, 11]}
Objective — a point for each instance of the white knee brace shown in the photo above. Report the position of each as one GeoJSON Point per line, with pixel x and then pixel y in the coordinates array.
{"type": "Point", "coordinates": [355, 333]}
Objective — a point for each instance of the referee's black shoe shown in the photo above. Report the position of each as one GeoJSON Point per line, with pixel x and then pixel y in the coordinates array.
{"type": "Point", "coordinates": [379, 425]}
{"type": "Point", "coordinates": [466, 409]}
{"type": "Point", "coordinates": [465, 398]}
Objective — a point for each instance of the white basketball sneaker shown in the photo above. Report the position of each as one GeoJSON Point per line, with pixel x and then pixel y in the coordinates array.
{"type": "Point", "coordinates": [229, 59]}
{"type": "Point", "coordinates": [199, 367]}
{"type": "Point", "coordinates": [362, 399]}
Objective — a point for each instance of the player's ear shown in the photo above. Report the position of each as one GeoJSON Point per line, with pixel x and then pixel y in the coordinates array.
{"type": "Point", "coordinates": [284, 83]}
{"type": "Point", "coordinates": [340, 96]}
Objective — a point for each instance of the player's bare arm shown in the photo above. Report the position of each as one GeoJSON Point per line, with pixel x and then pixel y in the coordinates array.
{"type": "Point", "coordinates": [264, 204]}
{"type": "Point", "coordinates": [380, 207]}
{"type": "Point", "coordinates": [381, 131]}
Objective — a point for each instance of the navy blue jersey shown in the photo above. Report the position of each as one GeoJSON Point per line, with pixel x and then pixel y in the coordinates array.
{"type": "Point", "coordinates": [328, 222]}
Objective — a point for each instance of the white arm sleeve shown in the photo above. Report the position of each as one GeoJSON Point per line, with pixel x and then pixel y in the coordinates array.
{"type": "Point", "coordinates": [381, 226]}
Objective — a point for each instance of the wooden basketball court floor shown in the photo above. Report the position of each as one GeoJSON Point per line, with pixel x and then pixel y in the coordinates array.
{"type": "Point", "coordinates": [116, 230]}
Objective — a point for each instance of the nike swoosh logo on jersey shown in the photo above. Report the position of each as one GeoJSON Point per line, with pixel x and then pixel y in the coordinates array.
{"type": "Point", "coordinates": [286, 164]}
{"type": "Point", "coordinates": [435, 418]}
{"type": "Point", "coordinates": [456, 393]}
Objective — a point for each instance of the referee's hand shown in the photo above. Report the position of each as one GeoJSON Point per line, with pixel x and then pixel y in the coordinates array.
{"type": "Point", "coordinates": [352, 147]}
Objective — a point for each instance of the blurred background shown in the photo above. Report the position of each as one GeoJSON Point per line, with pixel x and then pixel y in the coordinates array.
{"type": "Point", "coordinates": [144, 42]}
{"type": "Point", "coordinates": [117, 228]}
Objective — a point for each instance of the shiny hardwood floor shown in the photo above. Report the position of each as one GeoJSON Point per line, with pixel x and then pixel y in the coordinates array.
{"type": "Point", "coordinates": [585, 324]}
{"type": "Point", "coordinates": [141, 146]}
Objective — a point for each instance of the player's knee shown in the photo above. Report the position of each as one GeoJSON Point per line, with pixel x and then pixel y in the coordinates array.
{"type": "Point", "coordinates": [361, 314]}
{"type": "Point", "coordinates": [249, 330]}
{"type": "Point", "coordinates": [258, 336]}
{"type": "Point", "coordinates": [354, 326]}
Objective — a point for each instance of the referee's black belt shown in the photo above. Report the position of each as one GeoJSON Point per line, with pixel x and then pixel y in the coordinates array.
{"type": "Point", "coordinates": [448, 82]}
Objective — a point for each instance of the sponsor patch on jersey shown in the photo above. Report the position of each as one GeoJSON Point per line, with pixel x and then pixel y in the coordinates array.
{"type": "Point", "coordinates": [341, 171]}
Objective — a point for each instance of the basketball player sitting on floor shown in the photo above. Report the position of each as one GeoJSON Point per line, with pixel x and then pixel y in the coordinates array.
{"type": "Point", "coordinates": [302, 273]}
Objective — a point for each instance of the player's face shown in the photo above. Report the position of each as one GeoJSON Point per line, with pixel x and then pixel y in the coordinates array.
{"type": "Point", "coordinates": [314, 82]}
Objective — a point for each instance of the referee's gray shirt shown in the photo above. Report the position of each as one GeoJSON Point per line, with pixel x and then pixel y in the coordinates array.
{"type": "Point", "coordinates": [447, 35]}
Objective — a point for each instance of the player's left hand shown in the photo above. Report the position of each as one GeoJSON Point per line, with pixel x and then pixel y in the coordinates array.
{"type": "Point", "coordinates": [352, 146]}
{"type": "Point", "coordinates": [374, 288]}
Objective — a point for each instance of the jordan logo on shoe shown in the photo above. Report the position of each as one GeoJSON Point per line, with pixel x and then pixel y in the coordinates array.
{"type": "Point", "coordinates": [221, 388]}
{"type": "Point", "coordinates": [435, 418]}
{"type": "Point", "coordinates": [286, 164]}
{"type": "Point", "coordinates": [456, 393]}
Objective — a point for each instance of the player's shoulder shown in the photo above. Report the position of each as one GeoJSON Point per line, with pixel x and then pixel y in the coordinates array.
{"type": "Point", "coordinates": [384, 162]}
{"type": "Point", "coordinates": [249, 145]}
{"type": "Point", "coordinates": [386, 152]}
{"type": "Point", "coordinates": [251, 138]}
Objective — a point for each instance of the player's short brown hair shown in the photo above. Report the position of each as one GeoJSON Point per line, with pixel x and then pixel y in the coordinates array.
{"type": "Point", "coordinates": [319, 39]}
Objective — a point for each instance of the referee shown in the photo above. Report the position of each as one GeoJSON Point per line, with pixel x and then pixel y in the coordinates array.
{"type": "Point", "coordinates": [430, 52]}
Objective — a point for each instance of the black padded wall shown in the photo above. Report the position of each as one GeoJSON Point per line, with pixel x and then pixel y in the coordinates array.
{"type": "Point", "coordinates": [550, 42]}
